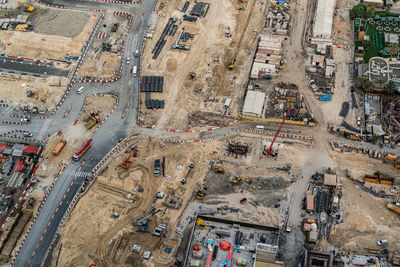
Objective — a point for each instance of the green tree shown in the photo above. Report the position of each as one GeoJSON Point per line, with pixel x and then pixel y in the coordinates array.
{"type": "Point", "coordinates": [393, 49]}
{"type": "Point", "coordinates": [390, 88]}
{"type": "Point", "coordinates": [357, 11]}
{"type": "Point", "coordinates": [364, 84]}
{"type": "Point", "coordinates": [370, 12]}
{"type": "Point", "coordinates": [366, 44]}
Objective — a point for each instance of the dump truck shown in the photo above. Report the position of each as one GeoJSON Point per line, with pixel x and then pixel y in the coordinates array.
{"type": "Point", "coordinates": [393, 208]}
{"type": "Point", "coordinates": [92, 122]}
{"type": "Point", "coordinates": [59, 147]}
{"type": "Point", "coordinates": [200, 193]}
{"type": "Point", "coordinates": [82, 150]}
{"type": "Point", "coordinates": [92, 114]}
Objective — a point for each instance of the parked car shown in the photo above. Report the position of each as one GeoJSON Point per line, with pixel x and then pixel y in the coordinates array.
{"type": "Point", "coordinates": [128, 60]}
{"type": "Point", "coordinates": [157, 164]}
{"type": "Point", "coordinates": [28, 134]}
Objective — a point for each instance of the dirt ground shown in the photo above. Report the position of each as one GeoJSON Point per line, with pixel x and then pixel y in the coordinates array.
{"type": "Point", "coordinates": [131, 193]}
{"type": "Point", "coordinates": [99, 63]}
{"type": "Point", "coordinates": [211, 51]}
{"type": "Point", "coordinates": [13, 89]}
{"type": "Point", "coordinates": [45, 44]}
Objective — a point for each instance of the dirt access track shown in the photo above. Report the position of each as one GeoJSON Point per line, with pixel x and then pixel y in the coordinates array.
{"type": "Point", "coordinates": [211, 50]}
{"type": "Point", "coordinates": [108, 241]}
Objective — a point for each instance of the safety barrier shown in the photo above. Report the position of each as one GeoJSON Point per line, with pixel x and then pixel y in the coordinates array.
{"type": "Point", "coordinates": [272, 120]}
{"type": "Point", "coordinates": [203, 130]}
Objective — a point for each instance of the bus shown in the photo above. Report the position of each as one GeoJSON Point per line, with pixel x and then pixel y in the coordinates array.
{"type": "Point", "coordinates": [134, 71]}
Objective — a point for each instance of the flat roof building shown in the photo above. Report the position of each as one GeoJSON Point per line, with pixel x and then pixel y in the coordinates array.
{"type": "Point", "coordinates": [254, 104]}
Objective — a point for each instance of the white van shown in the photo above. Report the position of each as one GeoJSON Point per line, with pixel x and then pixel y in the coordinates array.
{"type": "Point", "coordinates": [80, 90]}
{"type": "Point", "coordinates": [260, 127]}
{"type": "Point", "coordinates": [134, 71]}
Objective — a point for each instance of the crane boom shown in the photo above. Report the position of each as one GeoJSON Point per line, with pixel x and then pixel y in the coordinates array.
{"type": "Point", "coordinates": [276, 135]}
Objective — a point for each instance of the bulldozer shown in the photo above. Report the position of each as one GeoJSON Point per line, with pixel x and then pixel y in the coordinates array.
{"type": "Point", "coordinates": [200, 193]}
{"type": "Point", "coordinates": [238, 179]}
{"type": "Point", "coordinates": [25, 7]}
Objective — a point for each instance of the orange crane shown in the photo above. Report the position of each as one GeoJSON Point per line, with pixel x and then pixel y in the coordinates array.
{"type": "Point", "coordinates": [127, 161]}
{"type": "Point", "coordinates": [276, 135]}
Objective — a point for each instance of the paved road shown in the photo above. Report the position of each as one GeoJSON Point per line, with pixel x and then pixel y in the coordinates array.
{"type": "Point", "coordinates": [127, 89]}
{"type": "Point", "coordinates": [24, 66]}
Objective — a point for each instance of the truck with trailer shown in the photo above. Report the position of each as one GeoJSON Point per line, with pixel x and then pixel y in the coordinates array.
{"type": "Point", "coordinates": [92, 122]}
{"type": "Point", "coordinates": [59, 147]}
{"type": "Point", "coordinates": [393, 207]}
{"type": "Point", "coordinates": [77, 156]}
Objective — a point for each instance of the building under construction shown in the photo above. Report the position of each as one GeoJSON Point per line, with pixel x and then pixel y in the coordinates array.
{"type": "Point", "coordinates": [220, 242]}
{"type": "Point", "coordinates": [391, 119]}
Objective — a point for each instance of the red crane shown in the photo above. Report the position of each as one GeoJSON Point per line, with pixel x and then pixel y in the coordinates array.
{"type": "Point", "coordinates": [126, 162]}
{"type": "Point", "coordinates": [276, 135]}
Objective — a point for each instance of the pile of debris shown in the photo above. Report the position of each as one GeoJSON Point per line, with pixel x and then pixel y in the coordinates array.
{"type": "Point", "coordinates": [278, 19]}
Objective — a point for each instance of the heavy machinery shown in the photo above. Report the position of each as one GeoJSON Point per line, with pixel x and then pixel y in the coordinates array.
{"type": "Point", "coordinates": [82, 150]}
{"type": "Point", "coordinates": [142, 223]}
{"type": "Point", "coordinates": [269, 150]}
{"type": "Point", "coordinates": [393, 207]}
{"type": "Point", "coordinates": [200, 193]}
{"type": "Point", "coordinates": [238, 179]}
{"type": "Point", "coordinates": [25, 7]}
{"type": "Point", "coordinates": [232, 63]}
{"type": "Point", "coordinates": [23, 27]}
{"type": "Point", "coordinates": [59, 147]}
{"type": "Point", "coordinates": [217, 169]}
{"type": "Point", "coordinates": [127, 161]}
{"type": "Point", "coordinates": [31, 93]}
{"type": "Point", "coordinates": [355, 138]}
{"type": "Point", "coordinates": [92, 122]}
{"type": "Point", "coordinates": [92, 114]}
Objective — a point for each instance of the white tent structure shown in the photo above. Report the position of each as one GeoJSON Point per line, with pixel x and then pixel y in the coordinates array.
{"type": "Point", "coordinates": [323, 20]}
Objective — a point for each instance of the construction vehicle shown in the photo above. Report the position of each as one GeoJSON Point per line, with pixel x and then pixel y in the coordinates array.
{"type": "Point", "coordinates": [199, 223]}
{"type": "Point", "coordinates": [25, 7]}
{"type": "Point", "coordinates": [200, 193]}
{"type": "Point", "coordinates": [30, 93]}
{"type": "Point", "coordinates": [127, 161]}
{"type": "Point", "coordinates": [82, 150]}
{"type": "Point", "coordinates": [269, 151]}
{"type": "Point", "coordinates": [393, 208]}
{"type": "Point", "coordinates": [92, 122]}
{"type": "Point", "coordinates": [91, 114]}
{"type": "Point", "coordinates": [59, 147]}
{"type": "Point", "coordinates": [142, 223]}
{"type": "Point", "coordinates": [23, 27]}
{"type": "Point", "coordinates": [216, 169]}
{"type": "Point", "coordinates": [355, 138]}
{"type": "Point", "coordinates": [238, 179]}
{"type": "Point", "coordinates": [391, 157]}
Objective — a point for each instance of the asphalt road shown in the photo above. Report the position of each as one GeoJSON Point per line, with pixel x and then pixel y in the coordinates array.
{"type": "Point", "coordinates": [127, 89]}
{"type": "Point", "coordinates": [24, 66]}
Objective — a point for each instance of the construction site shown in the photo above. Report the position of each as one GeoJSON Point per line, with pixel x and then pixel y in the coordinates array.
{"type": "Point", "coordinates": [209, 64]}
{"type": "Point", "coordinates": [33, 37]}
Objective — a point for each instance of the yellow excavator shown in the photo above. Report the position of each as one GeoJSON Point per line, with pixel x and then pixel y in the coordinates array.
{"type": "Point", "coordinates": [25, 7]}
{"type": "Point", "coordinates": [200, 222]}
{"type": "Point", "coordinates": [200, 193]}
{"type": "Point", "coordinates": [238, 179]}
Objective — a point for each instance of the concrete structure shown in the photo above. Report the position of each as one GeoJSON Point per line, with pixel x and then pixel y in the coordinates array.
{"type": "Point", "coordinates": [259, 69]}
{"type": "Point", "coordinates": [323, 21]}
{"type": "Point", "coordinates": [254, 104]}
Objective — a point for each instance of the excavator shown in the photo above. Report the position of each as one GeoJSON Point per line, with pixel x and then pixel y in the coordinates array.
{"type": "Point", "coordinates": [200, 193]}
{"type": "Point", "coordinates": [142, 223]}
{"type": "Point", "coordinates": [238, 179]}
{"type": "Point", "coordinates": [217, 169]}
{"type": "Point", "coordinates": [127, 161]}
{"type": "Point", "coordinates": [25, 7]}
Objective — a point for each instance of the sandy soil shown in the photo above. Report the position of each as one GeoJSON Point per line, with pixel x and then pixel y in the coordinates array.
{"type": "Point", "coordinates": [46, 46]}
{"type": "Point", "coordinates": [210, 52]}
{"type": "Point", "coordinates": [113, 236]}
{"type": "Point", "coordinates": [13, 89]}
{"type": "Point", "coordinates": [99, 63]}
